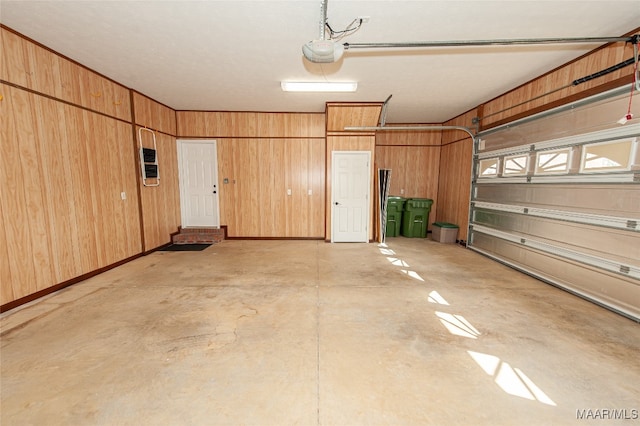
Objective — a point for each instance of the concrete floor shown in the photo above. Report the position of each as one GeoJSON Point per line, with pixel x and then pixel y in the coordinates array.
{"type": "Point", "coordinates": [309, 333]}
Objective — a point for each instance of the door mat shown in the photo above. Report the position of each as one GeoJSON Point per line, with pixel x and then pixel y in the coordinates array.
{"type": "Point", "coordinates": [186, 247]}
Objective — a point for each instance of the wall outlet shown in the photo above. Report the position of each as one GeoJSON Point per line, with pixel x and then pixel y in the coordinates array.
{"type": "Point", "coordinates": [402, 192]}
{"type": "Point", "coordinates": [288, 191]}
{"type": "Point", "coordinates": [310, 192]}
{"type": "Point", "coordinates": [123, 195]}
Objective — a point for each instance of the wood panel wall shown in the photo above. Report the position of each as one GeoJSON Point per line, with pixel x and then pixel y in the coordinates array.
{"type": "Point", "coordinates": [160, 205]}
{"type": "Point", "coordinates": [408, 137]}
{"type": "Point", "coordinates": [536, 95]}
{"type": "Point", "coordinates": [262, 156]}
{"type": "Point", "coordinates": [67, 155]}
{"type": "Point", "coordinates": [153, 115]}
{"type": "Point", "coordinates": [255, 201]}
{"type": "Point", "coordinates": [224, 124]}
{"type": "Point", "coordinates": [454, 182]}
{"type": "Point", "coordinates": [37, 68]}
{"type": "Point", "coordinates": [344, 114]}
{"type": "Point", "coordinates": [414, 160]}
{"type": "Point", "coordinates": [63, 170]}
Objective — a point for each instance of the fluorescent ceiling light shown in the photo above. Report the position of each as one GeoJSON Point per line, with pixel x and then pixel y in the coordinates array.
{"type": "Point", "coordinates": [323, 86]}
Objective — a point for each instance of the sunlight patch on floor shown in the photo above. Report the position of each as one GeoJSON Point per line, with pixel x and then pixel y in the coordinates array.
{"type": "Point", "coordinates": [412, 274]}
{"type": "Point", "coordinates": [511, 380]}
{"type": "Point", "coordinates": [397, 262]}
{"type": "Point", "coordinates": [434, 297]}
{"type": "Point", "coordinates": [458, 325]}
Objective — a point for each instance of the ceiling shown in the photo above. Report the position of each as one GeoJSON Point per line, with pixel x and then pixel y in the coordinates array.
{"type": "Point", "coordinates": [232, 55]}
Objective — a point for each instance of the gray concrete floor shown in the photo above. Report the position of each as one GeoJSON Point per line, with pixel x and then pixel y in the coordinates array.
{"type": "Point", "coordinates": [308, 333]}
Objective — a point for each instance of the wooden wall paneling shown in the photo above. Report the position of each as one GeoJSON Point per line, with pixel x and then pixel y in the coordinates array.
{"type": "Point", "coordinates": [455, 173]}
{"type": "Point", "coordinates": [297, 209]}
{"type": "Point", "coordinates": [190, 124]}
{"type": "Point", "coordinates": [169, 202]}
{"type": "Point", "coordinates": [154, 115]}
{"type": "Point", "coordinates": [15, 210]}
{"type": "Point", "coordinates": [387, 158]}
{"type": "Point", "coordinates": [226, 192]}
{"type": "Point", "coordinates": [248, 179]}
{"type": "Point", "coordinates": [251, 170]}
{"type": "Point", "coordinates": [272, 200]}
{"type": "Point", "coordinates": [34, 67]}
{"type": "Point", "coordinates": [499, 109]}
{"type": "Point", "coordinates": [13, 64]}
{"type": "Point", "coordinates": [118, 101]}
{"type": "Point", "coordinates": [316, 178]}
{"type": "Point", "coordinates": [117, 218]}
{"type": "Point", "coordinates": [277, 190]}
{"type": "Point", "coordinates": [69, 88]}
{"type": "Point", "coordinates": [6, 282]}
{"type": "Point", "coordinates": [341, 115]}
{"type": "Point", "coordinates": [31, 158]}
{"type": "Point", "coordinates": [396, 137]}
{"type": "Point", "coordinates": [100, 94]}
{"type": "Point", "coordinates": [464, 157]}
{"type": "Point", "coordinates": [82, 207]}
{"type": "Point", "coordinates": [97, 156]}
{"type": "Point", "coordinates": [160, 204]}
{"type": "Point", "coordinates": [414, 171]}
{"type": "Point", "coordinates": [236, 185]}
{"type": "Point", "coordinates": [89, 93]}
{"type": "Point", "coordinates": [249, 124]}
{"type": "Point", "coordinates": [306, 214]}
{"type": "Point", "coordinates": [455, 184]}
{"type": "Point", "coordinates": [267, 217]}
{"type": "Point", "coordinates": [171, 154]}
{"type": "Point", "coordinates": [241, 208]}
{"type": "Point", "coordinates": [57, 187]}
{"type": "Point", "coordinates": [444, 196]}
{"type": "Point", "coordinates": [41, 66]}
{"type": "Point", "coordinates": [127, 169]}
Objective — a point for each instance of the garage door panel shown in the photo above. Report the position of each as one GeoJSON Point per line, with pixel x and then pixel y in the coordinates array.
{"type": "Point", "coordinates": [611, 290]}
{"type": "Point", "coordinates": [613, 244]}
{"type": "Point", "coordinates": [577, 229]}
{"type": "Point", "coordinates": [616, 200]}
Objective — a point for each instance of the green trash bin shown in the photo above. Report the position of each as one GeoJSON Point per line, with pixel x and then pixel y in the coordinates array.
{"type": "Point", "coordinates": [395, 207]}
{"type": "Point", "coordinates": [415, 217]}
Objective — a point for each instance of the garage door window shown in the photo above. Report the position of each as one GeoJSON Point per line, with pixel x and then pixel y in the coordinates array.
{"type": "Point", "coordinates": [553, 162]}
{"type": "Point", "coordinates": [488, 167]}
{"type": "Point", "coordinates": [607, 156]}
{"type": "Point", "coordinates": [515, 165]}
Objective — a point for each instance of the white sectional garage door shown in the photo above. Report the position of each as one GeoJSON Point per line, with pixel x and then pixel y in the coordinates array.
{"type": "Point", "coordinates": [557, 196]}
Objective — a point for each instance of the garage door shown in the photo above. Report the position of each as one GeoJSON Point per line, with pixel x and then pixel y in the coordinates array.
{"type": "Point", "coordinates": [557, 195]}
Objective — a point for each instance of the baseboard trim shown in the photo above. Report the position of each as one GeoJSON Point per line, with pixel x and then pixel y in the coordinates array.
{"type": "Point", "coordinates": [38, 294]}
{"type": "Point", "coordinates": [276, 238]}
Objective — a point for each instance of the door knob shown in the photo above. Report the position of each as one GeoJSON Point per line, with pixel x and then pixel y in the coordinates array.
{"type": "Point", "coordinates": [336, 203]}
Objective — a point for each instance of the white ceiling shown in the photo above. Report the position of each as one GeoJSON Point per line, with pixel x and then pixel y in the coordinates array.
{"type": "Point", "coordinates": [232, 55]}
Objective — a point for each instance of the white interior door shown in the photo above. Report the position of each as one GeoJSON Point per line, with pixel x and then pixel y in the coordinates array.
{"type": "Point", "coordinates": [198, 183]}
{"type": "Point", "coordinates": [350, 196]}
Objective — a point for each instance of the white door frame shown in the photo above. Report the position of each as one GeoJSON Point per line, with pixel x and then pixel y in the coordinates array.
{"type": "Point", "coordinates": [183, 212]}
{"type": "Point", "coordinates": [333, 187]}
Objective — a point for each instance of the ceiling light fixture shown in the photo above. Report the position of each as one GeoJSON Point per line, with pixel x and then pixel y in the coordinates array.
{"type": "Point", "coordinates": [322, 86]}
